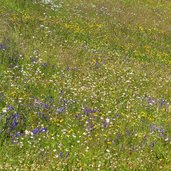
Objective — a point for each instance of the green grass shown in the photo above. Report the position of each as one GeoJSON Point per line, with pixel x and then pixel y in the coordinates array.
{"type": "Point", "coordinates": [85, 85]}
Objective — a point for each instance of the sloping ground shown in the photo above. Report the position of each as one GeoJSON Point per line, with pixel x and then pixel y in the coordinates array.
{"type": "Point", "coordinates": [85, 85]}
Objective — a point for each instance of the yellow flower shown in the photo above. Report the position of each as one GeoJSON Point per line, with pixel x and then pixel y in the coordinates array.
{"type": "Point", "coordinates": [109, 142]}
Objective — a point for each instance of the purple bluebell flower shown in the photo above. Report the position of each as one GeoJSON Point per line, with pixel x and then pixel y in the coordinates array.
{"type": "Point", "coordinates": [39, 130]}
{"type": "Point", "coordinates": [61, 109]}
{"type": "Point", "coordinates": [43, 130]}
{"type": "Point", "coordinates": [88, 111]}
{"type": "Point", "coordinates": [104, 123]}
{"type": "Point", "coordinates": [10, 108]}
{"type": "Point", "coordinates": [35, 131]}
{"type": "Point", "coordinates": [14, 124]}
{"type": "Point", "coordinates": [13, 139]}
{"type": "Point", "coordinates": [60, 154]}
{"type": "Point", "coordinates": [18, 134]}
{"type": "Point", "coordinates": [45, 106]}
{"type": "Point", "coordinates": [15, 116]}
{"type": "Point", "coordinates": [153, 127]}
{"type": "Point", "coordinates": [8, 118]}
{"type": "Point", "coordinates": [151, 101]}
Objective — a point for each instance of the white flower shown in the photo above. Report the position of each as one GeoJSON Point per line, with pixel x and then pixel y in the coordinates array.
{"type": "Point", "coordinates": [4, 110]}
{"type": "Point", "coordinates": [27, 132]}
{"type": "Point", "coordinates": [166, 139]}
{"type": "Point", "coordinates": [107, 120]}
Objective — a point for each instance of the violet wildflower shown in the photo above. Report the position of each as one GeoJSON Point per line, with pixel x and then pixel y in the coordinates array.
{"type": "Point", "coordinates": [38, 130]}
{"type": "Point", "coordinates": [43, 130]}
{"type": "Point", "coordinates": [8, 118]}
{"type": "Point", "coordinates": [10, 108]}
{"type": "Point", "coordinates": [104, 124]}
{"type": "Point", "coordinates": [14, 124]}
{"type": "Point", "coordinates": [153, 127]}
{"type": "Point", "coordinates": [60, 154]}
{"type": "Point", "coordinates": [35, 131]}
{"type": "Point", "coordinates": [88, 111]}
{"type": "Point", "coordinates": [15, 116]}
{"type": "Point", "coordinates": [61, 109]}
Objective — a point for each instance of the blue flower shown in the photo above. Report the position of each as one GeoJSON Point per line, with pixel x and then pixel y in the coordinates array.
{"type": "Point", "coordinates": [61, 109]}
{"type": "Point", "coordinates": [35, 131]}
{"type": "Point", "coordinates": [14, 124]}
{"type": "Point", "coordinates": [60, 154]}
{"type": "Point", "coordinates": [15, 116]}
{"type": "Point", "coordinates": [38, 130]}
{"type": "Point", "coordinates": [88, 111]}
{"type": "Point", "coordinates": [43, 130]}
{"type": "Point", "coordinates": [10, 108]}
{"type": "Point", "coordinates": [7, 119]}
{"type": "Point", "coordinates": [104, 123]}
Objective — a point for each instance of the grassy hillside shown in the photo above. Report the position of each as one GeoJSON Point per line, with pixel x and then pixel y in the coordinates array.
{"type": "Point", "coordinates": [85, 85]}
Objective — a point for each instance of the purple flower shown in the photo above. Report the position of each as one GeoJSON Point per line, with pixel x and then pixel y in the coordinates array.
{"type": "Point", "coordinates": [60, 154]}
{"type": "Point", "coordinates": [18, 134]}
{"type": "Point", "coordinates": [15, 116]}
{"type": "Point", "coordinates": [43, 130]}
{"type": "Point", "coordinates": [10, 108]}
{"type": "Point", "coordinates": [104, 123]}
{"type": "Point", "coordinates": [38, 130]}
{"type": "Point", "coordinates": [45, 106]}
{"type": "Point", "coordinates": [88, 111]}
{"type": "Point", "coordinates": [153, 127]}
{"type": "Point", "coordinates": [61, 109]}
{"type": "Point", "coordinates": [35, 131]}
{"type": "Point", "coordinates": [14, 124]}
{"type": "Point", "coordinates": [7, 119]}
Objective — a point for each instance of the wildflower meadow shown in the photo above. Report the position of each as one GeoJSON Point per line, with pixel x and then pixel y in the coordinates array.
{"type": "Point", "coordinates": [85, 85]}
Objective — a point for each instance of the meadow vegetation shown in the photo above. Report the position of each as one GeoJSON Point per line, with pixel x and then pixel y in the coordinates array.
{"type": "Point", "coordinates": [85, 85]}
